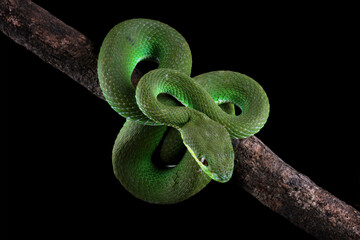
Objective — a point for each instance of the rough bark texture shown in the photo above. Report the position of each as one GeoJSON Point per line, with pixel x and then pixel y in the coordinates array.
{"type": "Point", "coordinates": [52, 40]}
{"type": "Point", "coordinates": [257, 169]}
{"type": "Point", "coordinates": [291, 194]}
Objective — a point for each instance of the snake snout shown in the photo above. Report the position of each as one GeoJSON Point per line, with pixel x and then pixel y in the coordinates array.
{"type": "Point", "coordinates": [225, 178]}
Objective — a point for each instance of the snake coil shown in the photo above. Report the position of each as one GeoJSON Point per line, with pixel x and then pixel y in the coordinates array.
{"type": "Point", "coordinates": [182, 122]}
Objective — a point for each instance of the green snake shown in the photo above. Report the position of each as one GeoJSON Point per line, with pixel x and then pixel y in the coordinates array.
{"type": "Point", "coordinates": [178, 129]}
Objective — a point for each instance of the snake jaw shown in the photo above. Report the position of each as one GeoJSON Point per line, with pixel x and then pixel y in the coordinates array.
{"type": "Point", "coordinates": [204, 167]}
{"type": "Point", "coordinates": [219, 178]}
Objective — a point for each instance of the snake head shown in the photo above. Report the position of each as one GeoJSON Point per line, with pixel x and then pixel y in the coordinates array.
{"type": "Point", "coordinates": [210, 145]}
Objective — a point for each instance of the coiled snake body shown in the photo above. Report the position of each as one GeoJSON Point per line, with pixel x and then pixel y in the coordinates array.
{"type": "Point", "coordinates": [169, 109]}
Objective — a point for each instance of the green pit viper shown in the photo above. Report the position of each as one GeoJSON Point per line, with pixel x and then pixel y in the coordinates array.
{"type": "Point", "coordinates": [168, 111]}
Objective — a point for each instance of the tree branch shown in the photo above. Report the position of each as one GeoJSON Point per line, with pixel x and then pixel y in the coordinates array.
{"type": "Point", "coordinates": [291, 194]}
{"type": "Point", "coordinates": [257, 169]}
{"type": "Point", "coordinates": [52, 40]}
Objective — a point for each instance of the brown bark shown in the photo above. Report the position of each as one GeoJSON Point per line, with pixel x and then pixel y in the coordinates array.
{"type": "Point", "coordinates": [52, 40]}
{"type": "Point", "coordinates": [291, 194]}
{"type": "Point", "coordinates": [257, 169]}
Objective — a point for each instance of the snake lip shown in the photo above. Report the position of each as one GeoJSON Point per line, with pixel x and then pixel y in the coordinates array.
{"type": "Point", "coordinates": [223, 178]}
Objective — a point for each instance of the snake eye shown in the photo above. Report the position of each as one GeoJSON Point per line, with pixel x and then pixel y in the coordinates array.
{"type": "Point", "coordinates": [203, 161]}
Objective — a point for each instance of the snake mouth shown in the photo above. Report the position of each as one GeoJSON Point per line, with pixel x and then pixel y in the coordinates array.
{"type": "Point", "coordinates": [222, 178]}
{"type": "Point", "coordinates": [217, 177]}
{"type": "Point", "coordinates": [204, 165]}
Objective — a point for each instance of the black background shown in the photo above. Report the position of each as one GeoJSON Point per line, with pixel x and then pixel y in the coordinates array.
{"type": "Point", "coordinates": [56, 172]}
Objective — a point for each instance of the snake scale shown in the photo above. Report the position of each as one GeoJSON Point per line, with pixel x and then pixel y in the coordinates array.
{"type": "Point", "coordinates": [178, 129]}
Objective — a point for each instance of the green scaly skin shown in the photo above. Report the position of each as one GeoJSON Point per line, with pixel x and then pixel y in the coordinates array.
{"type": "Point", "coordinates": [205, 128]}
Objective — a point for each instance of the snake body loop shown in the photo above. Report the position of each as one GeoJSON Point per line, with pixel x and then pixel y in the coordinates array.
{"type": "Point", "coordinates": [124, 47]}
{"type": "Point", "coordinates": [190, 136]}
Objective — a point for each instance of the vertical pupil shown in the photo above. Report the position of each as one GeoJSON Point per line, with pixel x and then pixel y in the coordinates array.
{"type": "Point", "coordinates": [203, 161]}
